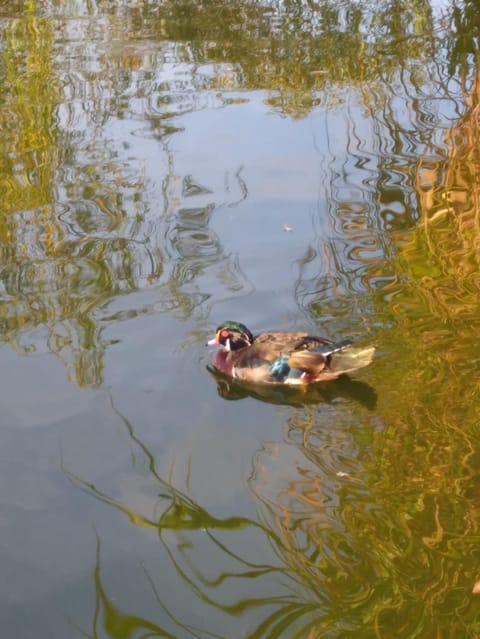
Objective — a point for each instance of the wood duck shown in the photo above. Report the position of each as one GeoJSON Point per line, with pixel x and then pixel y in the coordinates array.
{"type": "Point", "coordinates": [283, 358]}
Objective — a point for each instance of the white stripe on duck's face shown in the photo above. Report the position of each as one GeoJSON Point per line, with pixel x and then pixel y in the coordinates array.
{"type": "Point", "coordinates": [228, 346]}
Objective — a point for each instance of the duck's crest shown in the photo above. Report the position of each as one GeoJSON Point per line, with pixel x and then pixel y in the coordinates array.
{"type": "Point", "coordinates": [237, 327]}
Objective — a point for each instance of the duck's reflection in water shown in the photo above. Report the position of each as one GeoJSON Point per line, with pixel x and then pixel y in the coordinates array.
{"type": "Point", "coordinates": [321, 392]}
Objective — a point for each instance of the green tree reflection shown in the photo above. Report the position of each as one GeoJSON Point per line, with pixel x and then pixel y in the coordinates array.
{"type": "Point", "coordinates": [356, 554]}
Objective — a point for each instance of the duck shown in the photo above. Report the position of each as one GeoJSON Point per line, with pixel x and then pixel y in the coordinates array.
{"type": "Point", "coordinates": [293, 358]}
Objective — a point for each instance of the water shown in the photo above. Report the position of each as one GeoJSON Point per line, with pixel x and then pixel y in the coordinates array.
{"type": "Point", "coordinates": [168, 166]}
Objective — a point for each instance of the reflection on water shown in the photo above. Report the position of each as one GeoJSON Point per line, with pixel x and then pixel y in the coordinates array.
{"type": "Point", "coordinates": [153, 156]}
{"type": "Point", "coordinates": [320, 506]}
{"type": "Point", "coordinates": [344, 386]}
{"type": "Point", "coordinates": [97, 207]}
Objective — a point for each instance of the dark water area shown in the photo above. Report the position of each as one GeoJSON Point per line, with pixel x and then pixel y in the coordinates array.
{"type": "Point", "coordinates": [165, 166]}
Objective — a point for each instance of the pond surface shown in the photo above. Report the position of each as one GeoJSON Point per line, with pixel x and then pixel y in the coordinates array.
{"type": "Point", "coordinates": [165, 166]}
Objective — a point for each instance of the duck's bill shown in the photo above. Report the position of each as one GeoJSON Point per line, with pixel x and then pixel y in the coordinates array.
{"type": "Point", "coordinates": [212, 342]}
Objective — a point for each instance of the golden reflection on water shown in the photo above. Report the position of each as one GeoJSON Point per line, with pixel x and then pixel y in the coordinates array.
{"type": "Point", "coordinates": [355, 549]}
{"type": "Point", "coordinates": [30, 97]}
{"type": "Point", "coordinates": [449, 238]}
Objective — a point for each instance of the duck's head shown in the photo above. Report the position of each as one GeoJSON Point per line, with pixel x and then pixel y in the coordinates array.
{"type": "Point", "coordinates": [232, 336]}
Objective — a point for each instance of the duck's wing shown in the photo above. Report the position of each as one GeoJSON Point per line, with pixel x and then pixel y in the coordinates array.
{"type": "Point", "coordinates": [312, 355]}
{"type": "Point", "coordinates": [254, 363]}
{"type": "Point", "coordinates": [332, 360]}
{"type": "Point", "coordinates": [268, 359]}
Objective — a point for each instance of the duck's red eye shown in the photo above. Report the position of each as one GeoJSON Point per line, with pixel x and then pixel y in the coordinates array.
{"type": "Point", "coordinates": [224, 333]}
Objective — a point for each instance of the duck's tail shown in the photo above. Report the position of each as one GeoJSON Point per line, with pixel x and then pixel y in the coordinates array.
{"type": "Point", "coordinates": [332, 360]}
{"type": "Point", "coordinates": [351, 359]}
